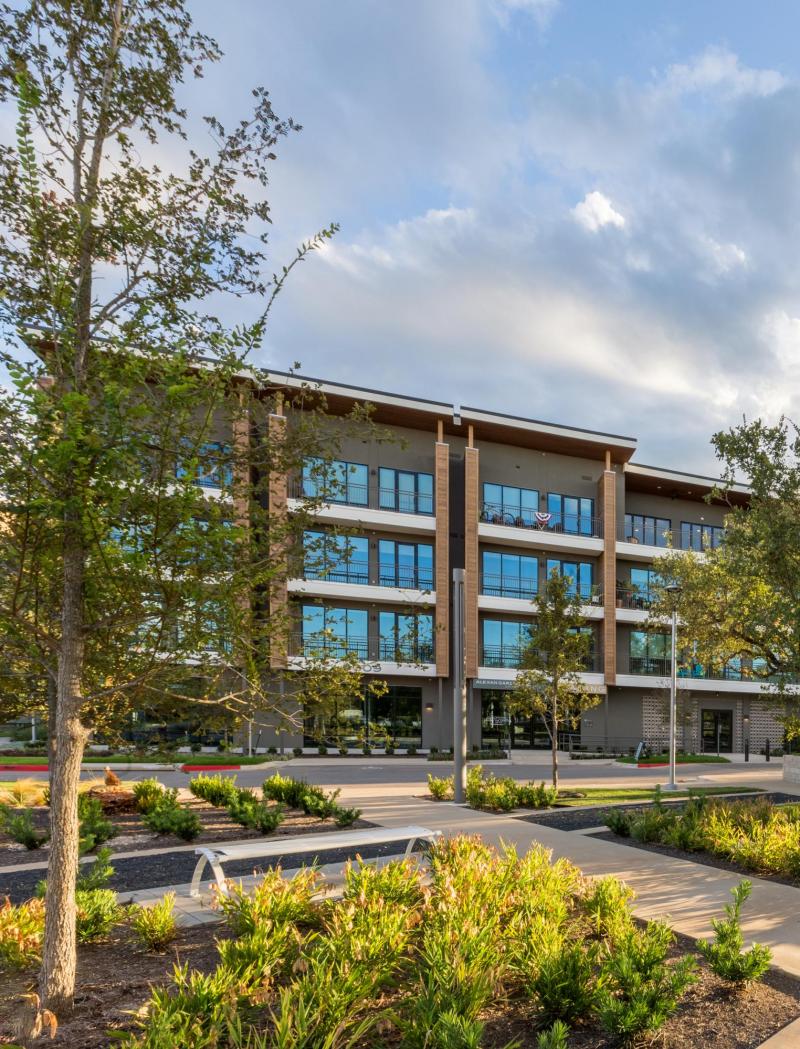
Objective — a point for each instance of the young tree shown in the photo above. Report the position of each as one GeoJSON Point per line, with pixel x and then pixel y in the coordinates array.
{"type": "Point", "coordinates": [549, 684]}
{"type": "Point", "coordinates": [120, 579]}
{"type": "Point", "coordinates": [741, 600]}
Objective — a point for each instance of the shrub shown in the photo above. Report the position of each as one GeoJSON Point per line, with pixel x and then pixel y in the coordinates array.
{"type": "Point", "coordinates": [98, 913]}
{"type": "Point", "coordinates": [272, 750]}
{"type": "Point", "coordinates": [19, 826]}
{"type": "Point", "coordinates": [388, 747]}
{"type": "Point", "coordinates": [343, 749]}
{"type": "Point", "coordinates": [536, 796]}
{"type": "Point", "coordinates": [640, 989]}
{"type": "Point", "coordinates": [168, 817]}
{"type": "Point", "coordinates": [619, 821]}
{"type": "Point", "coordinates": [155, 927]}
{"type": "Point", "coordinates": [440, 788]}
{"type": "Point", "coordinates": [98, 875]}
{"type": "Point", "coordinates": [245, 808]}
{"type": "Point", "coordinates": [652, 824]}
{"type": "Point", "coordinates": [147, 793]}
{"type": "Point", "coordinates": [566, 983]}
{"type": "Point", "coordinates": [554, 1037]}
{"type": "Point", "coordinates": [346, 817]}
{"type": "Point", "coordinates": [94, 827]}
{"type": "Point", "coordinates": [726, 954]}
{"type": "Point", "coordinates": [297, 751]}
{"type": "Point", "coordinates": [217, 790]}
{"type": "Point", "coordinates": [411, 750]}
{"type": "Point", "coordinates": [273, 900]}
{"type": "Point", "coordinates": [607, 907]}
{"type": "Point", "coordinates": [21, 932]}
{"type": "Point", "coordinates": [322, 749]}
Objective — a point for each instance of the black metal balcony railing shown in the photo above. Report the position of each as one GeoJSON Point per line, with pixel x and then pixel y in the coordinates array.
{"type": "Point", "coordinates": [402, 576]}
{"type": "Point", "coordinates": [671, 538]}
{"type": "Point", "coordinates": [634, 598]}
{"type": "Point", "coordinates": [564, 524]}
{"type": "Point", "coordinates": [493, 585]}
{"type": "Point", "coordinates": [510, 657]}
{"type": "Point", "coordinates": [405, 651]}
{"type": "Point", "coordinates": [394, 650]}
{"type": "Point", "coordinates": [315, 646]}
{"type": "Point", "coordinates": [658, 666]}
{"type": "Point", "coordinates": [376, 498]}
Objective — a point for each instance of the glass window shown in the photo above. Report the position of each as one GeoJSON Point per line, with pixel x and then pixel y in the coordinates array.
{"type": "Point", "coordinates": [505, 504]}
{"type": "Point", "coordinates": [408, 565]}
{"type": "Point", "coordinates": [335, 631]}
{"type": "Point", "coordinates": [336, 480]}
{"type": "Point", "coordinates": [653, 531]}
{"type": "Point", "coordinates": [504, 641]}
{"type": "Point", "coordinates": [700, 536]}
{"type": "Point", "coordinates": [509, 575]}
{"type": "Point", "coordinates": [406, 637]}
{"type": "Point", "coordinates": [571, 514]}
{"type": "Point", "coordinates": [338, 558]}
{"type": "Point", "coordinates": [649, 653]}
{"type": "Point", "coordinates": [405, 491]}
{"type": "Point", "coordinates": [580, 574]}
{"type": "Point", "coordinates": [212, 470]}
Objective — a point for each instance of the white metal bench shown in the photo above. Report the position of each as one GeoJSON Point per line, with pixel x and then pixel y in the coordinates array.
{"type": "Point", "coordinates": [216, 855]}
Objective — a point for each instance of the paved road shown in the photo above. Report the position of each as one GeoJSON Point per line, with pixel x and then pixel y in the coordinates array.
{"type": "Point", "coordinates": [352, 774]}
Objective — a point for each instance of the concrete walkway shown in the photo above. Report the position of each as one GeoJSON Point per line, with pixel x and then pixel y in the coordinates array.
{"type": "Point", "coordinates": [687, 894]}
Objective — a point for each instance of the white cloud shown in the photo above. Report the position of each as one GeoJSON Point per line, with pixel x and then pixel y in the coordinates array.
{"type": "Point", "coordinates": [723, 258]}
{"type": "Point", "coordinates": [717, 67]}
{"type": "Point", "coordinates": [596, 211]}
{"type": "Point", "coordinates": [542, 11]}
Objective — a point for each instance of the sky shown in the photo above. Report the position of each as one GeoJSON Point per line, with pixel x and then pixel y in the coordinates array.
{"type": "Point", "coordinates": [581, 211]}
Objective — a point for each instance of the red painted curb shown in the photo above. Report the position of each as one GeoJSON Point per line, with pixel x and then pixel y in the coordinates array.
{"type": "Point", "coordinates": [664, 764]}
{"type": "Point", "coordinates": [210, 768]}
{"type": "Point", "coordinates": [24, 768]}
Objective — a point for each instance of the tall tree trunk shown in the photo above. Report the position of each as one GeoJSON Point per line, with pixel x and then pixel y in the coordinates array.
{"type": "Point", "coordinates": [554, 739]}
{"type": "Point", "coordinates": [57, 978]}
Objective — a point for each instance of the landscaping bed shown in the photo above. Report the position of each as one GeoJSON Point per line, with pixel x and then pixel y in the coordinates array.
{"type": "Point", "coordinates": [749, 836]}
{"type": "Point", "coordinates": [532, 942]}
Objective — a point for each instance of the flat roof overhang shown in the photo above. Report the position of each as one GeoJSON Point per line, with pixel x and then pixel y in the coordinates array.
{"type": "Point", "coordinates": [655, 480]}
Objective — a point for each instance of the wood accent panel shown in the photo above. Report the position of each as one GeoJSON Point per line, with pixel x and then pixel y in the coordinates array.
{"type": "Point", "coordinates": [607, 498]}
{"type": "Point", "coordinates": [471, 558]}
{"type": "Point", "coordinates": [278, 489]}
{"type": "Point", "coordinates": [442, 554]}
{"type": "Point", "coordinates": [241, 495]}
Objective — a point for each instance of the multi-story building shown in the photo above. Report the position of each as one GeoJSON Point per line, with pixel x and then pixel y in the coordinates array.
{"type": "Point", "coordinates": [508, 499]}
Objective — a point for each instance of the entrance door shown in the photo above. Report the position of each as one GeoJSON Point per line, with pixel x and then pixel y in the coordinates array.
{"type": "Point", "coordinates": [717, 731]}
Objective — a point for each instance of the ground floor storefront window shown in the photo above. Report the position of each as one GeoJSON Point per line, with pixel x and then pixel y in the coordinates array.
{"type": "Point", "coordinates": [499, 728]}
{"type": "Point", "coordinates": [397, 714]}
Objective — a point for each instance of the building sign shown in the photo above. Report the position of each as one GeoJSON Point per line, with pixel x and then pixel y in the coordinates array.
{"type": "Point", "coordinates": [492, 682]}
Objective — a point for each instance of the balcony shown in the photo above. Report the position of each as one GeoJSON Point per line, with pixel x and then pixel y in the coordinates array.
{"type": "Point", "coordinates": [497, 585]}
{"type": "Point", "coordinates": [655, 666]}
{"type": "Point", "coordinates": [405, 651]}
{"type": "Point", "coordinates": [406, 656]}
{"type": "Point", "coordinates": [370, 496]}
{"type": "Point", "coordinates": [384, 509]}
{"type": "Point", "coordinates": [510, 656]}
{"type": "Point", "coordinates": [660, 541]}
{"type": "Point", "coordinates": [542, 521]}
{"type": "Point", "coordinates": [387, 583]}
{"type": "Point", "coordinates": [633, 598]}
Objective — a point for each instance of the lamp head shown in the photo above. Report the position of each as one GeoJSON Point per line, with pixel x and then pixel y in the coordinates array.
{"type": "Point", "coordinates": [673, 588]}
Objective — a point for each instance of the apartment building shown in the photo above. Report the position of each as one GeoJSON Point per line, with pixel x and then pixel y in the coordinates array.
{"type": "Point", "coordinates": [508, 499]}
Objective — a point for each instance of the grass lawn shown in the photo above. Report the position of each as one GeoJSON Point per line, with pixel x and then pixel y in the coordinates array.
{"type": "Point", "coordinates": [165, 759]}
{"type": "Point", "coordinates": [682, 759]}
{"type": "Point", "coordinates": [604, 795]}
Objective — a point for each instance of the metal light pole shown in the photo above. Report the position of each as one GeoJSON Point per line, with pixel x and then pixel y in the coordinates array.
{"type": "Point", "coordinates": [459, 692]}
{"type": "Point", "coordinates": [673, 589]}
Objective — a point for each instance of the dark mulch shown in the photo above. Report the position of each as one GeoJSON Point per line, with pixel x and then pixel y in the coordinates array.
{"type": "Point", "coordinates": [592, 815]}
{"type": "Point", "coordinates": [114, 980]}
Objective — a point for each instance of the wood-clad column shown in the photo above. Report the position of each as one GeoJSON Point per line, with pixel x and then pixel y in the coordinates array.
{"type": "Point", "coordinates": [471, 566]}
{"type": "Point", "coordinates": [278, 491]}
{"type": "Point", "coordinates": [607, 500]}
{"type": "Point", "coordinates": [242, 491]}
{"type": "Point", "coordinates": [442, 552]}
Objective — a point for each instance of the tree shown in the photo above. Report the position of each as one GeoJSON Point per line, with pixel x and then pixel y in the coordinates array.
{"type": "Point", "coordinates": [120, 580]}
{"type": "Point", "coordinates": [549, 684]}
{"type": "Point", "coordinates": [739, 604]}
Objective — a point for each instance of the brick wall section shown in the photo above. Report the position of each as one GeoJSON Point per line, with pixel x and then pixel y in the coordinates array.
{"type": "Point", "coordinates": [442, 483]}
{"type": "Point", "coordinates": [242, 480]}
{"type": "Point", "coordinates": [471, 558]}
{"type": "Point", "coordinates": [607, 499]}
{"type": "Point", "coordinates": [279, 593]}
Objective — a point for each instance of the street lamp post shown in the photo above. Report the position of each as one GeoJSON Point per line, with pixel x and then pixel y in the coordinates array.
{"type": "Point", "coordinates": [674, 590]}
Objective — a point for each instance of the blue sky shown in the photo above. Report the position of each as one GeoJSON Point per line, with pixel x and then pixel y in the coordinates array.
{"type": "Point", "coordinates": [584, 211]}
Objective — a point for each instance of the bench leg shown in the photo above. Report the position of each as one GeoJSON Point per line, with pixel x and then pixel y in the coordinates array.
{"type": "Point", "coordinates": [218, 874]}
{"type": "Point", "coordinates": [410, 847]}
